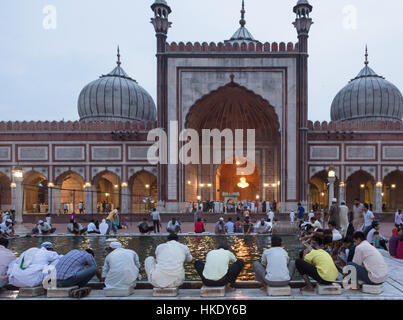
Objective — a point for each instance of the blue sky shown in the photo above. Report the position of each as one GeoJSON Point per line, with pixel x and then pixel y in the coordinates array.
{"type": "Point", "coordinates": [43, 71]}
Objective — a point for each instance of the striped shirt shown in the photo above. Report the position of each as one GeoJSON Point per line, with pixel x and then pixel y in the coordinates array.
{"type": "Point", "coordinates": [73, 262]}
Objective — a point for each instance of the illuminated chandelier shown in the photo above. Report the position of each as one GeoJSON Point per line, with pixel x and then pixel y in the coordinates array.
{"type": "Point", "coordinates": [243, 184]}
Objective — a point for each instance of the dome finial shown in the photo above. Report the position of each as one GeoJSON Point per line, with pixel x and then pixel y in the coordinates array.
{"type": "Point", "coordinates": [366, 55]}
{"type": "Point", "coordinates": [242, 22]}
{"type": "Point", "coordinates": [118, 62]}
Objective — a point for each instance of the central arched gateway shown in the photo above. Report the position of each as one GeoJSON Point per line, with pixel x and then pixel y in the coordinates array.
{"type": "Point", "coordinates": [234, 107]}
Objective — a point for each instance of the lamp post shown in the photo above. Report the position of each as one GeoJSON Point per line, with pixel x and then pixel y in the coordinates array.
{"type": "Point", "coordinates": [331, 176]}
{"type": "Point", "coordinates": [18, 176]}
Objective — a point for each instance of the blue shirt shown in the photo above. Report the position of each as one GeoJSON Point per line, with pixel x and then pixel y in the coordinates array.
{"type": "Point", "coordinates": [73, 262]}
{"type": "Point", "coordinates": [301, 211]}
{"type": "Point", "coordinates": [230, 226]}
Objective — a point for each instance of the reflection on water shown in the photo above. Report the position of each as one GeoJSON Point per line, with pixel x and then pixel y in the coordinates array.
{"type": "Point", "coordinates": [249, 248]}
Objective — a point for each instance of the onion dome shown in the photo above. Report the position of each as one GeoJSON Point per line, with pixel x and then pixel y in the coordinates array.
{"type": "Point", "coordinates": [115, 97]}
{"type": "Point", "coordinates": [368, 97]}
{"type": "Point", "coordinates": [242, 34]}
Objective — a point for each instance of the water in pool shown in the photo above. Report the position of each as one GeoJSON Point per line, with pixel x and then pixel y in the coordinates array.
{"type": "Point", "coordinates": [248, 248]}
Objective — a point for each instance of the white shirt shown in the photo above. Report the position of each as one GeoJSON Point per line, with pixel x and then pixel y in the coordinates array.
{"type": "Point", "coordinates": [35, 260]}
{"type": "Point", "coordinates": [217, 262]}
{"type": "Point", "coordinates": [80, 205]}
{"type": "Point", "coordinates": [103, 227]}
{"type": "Point", "coordinates": [4, 228]}
{"type": "Point", "coordinates": [6, 257]}
{"type": "Point", "coordinates": [276, 260]}
{"type": "Point", "coordinates": [262, 228]}
{"type": "Point", "coordinates": [46, 227]}
{"type": "Point", "coordinates": [368, 218]}
{"type": "Point", "coordinates": [398, 218]}
{"type": "Point", "coordinates": [169, 269]}
{"type": "Point", "coordinates": [292, 215]}
{"type": "Point", "coordinates": [121, 269]}
{"type": "Point", "coordinates": [172, 226]}
{"type": "Point", "coordinates": [156, 215]}
{"type": "Point", "coordinates": [270, 215]}
{"type": "Point", "coordinates": [91, 227]}
{"type": "Point", "coordinates": [336, 235]}
{"type": "Point", "coordinates": [310, 215]}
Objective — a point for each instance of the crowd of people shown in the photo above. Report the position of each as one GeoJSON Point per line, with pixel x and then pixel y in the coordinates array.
{"type": "Point", "coordinates": [230, 206]}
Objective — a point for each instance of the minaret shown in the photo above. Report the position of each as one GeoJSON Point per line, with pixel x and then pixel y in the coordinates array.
{"type": "Point", "coordinates": [160, 22]}
{"type": "Point", "coordinates": [302, 23]}
{"type": "Point", "coordinates": [161, 25]}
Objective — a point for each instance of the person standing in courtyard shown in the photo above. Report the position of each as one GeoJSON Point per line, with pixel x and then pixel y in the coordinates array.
{"type": "Point", "coordinates": [230, 225]}
{"type": "Point", "coordinates": [156, 220]}
{"type": "Point", "coordinates": [110, 220]}
{"type": "Point", "coordinates": [343, 217]}
{"type": "Point", "coordinates": [398, 218]}
{"type": "Point", "coordinates": [300, 213]}
{"type": "Point", "coordinates": [275, 269]}
{"type": "Point", "coordinates": [121, 267]}
{"type": "Point", "coordinates": [166, 270]}
{"type": "Point", "coordinates": [358, 218]}
{"type": "Point", "coordinates": [221, 268]}
{"type": "Point", "coordinates": [368, 219]}
{"type": "Point", "coordinates": [334, 213]}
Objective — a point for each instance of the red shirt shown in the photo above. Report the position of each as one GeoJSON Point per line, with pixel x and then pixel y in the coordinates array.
{"type": "Point", "coordinates": [199, 225]}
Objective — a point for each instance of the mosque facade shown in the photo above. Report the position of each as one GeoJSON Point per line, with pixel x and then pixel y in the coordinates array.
{"type": "Point", "coordinates": [240, 83]}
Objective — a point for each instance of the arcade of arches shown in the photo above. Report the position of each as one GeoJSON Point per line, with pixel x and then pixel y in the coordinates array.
{"type": "Point", "coordinates": [360, 185]}
{"type": "Point", "coordinates": [35, 192]}
{"type": "Point", "coordinates": [144, 191]}
{"type": "Point", "coordinates": [5, 192]}
{"type": "Point", "coordinates": [107, 191]}
{"type": "Point", "coordinates": [234, 107]}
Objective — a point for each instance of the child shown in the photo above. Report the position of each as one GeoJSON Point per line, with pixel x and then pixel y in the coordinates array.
{"type": "Point", "coordinates": [375, 240]}
{"type": "Point", "coordinates": [292, 217]}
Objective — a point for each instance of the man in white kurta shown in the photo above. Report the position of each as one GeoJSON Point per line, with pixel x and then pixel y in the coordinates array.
{"type": "Point", "coordinates": [121, 267]}
{"type": "Point", "coordinates": [167, 270]}
{"type": "Point", "coordinates": [26, 271]}
{"type": "Point", "coordinates": [343, 214]}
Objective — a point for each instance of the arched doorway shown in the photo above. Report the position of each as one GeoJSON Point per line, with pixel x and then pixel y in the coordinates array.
{"type": "Point", "coordinates": [35, 193]}
{"type": "Point", "coordinates": [107, 186]}
{"type": "Point", "coordinates": [227, 181]}
{"type": "Point", "coordinates": [360, 185]}
{"type": "Point", "coordinates": [392, 198]}
{"type": "Point", "coordinates": [70, 191]}
{"type": "Point", "coordinates": [5, 192]}
{"type": "Point", "coordinates": [229, 108]}
{"type": "Point", "coordinates": [143, 186]}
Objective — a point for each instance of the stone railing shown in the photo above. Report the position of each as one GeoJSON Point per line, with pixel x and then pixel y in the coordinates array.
{"type": "Point", "coordinates": [32, 126]}
{"type": "Point", "coordinates": [228, 47]}
{"type": "Point", "coordinates": [355, 126]}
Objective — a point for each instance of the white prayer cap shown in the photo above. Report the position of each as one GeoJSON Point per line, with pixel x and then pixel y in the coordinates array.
{"type": "Point", "coordinates": [334, 200]}
{"type": "Point", "coordinates": [115, 245]}
{"type": "Point", "coordinates": [9, 220]}
{"type": "Point", "coordinates": [40, 221]}
{"type": "Point", "coordinates": [47, 245]}
{"type": "Point", "coordinates": [221, 219]}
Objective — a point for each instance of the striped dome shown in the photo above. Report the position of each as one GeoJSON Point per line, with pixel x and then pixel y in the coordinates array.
{"type": "Point", "coordinates": [115, 97]}
{"type": "Point", "coordinates": [368, 97]}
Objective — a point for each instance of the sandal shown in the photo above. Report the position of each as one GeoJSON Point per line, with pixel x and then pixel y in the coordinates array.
{"type": "Point", "coordinates": [80, 293]}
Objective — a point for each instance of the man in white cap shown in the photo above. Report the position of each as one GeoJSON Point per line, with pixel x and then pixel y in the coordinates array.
{"type": "Point", "coordinates": [26, 271]}
{"type": "Point", "coordinates": [45, 228]}
{"type": "Point", "coordinates": [121, 267]}
{"type": "Point", "coordinates": [334, 213]}
{"type": "Point", "coordinates": [166, 270]}
{"type": "Point", "coordinates": [6, 228]}
{"type": "Point", "coordinates": [220, 227]}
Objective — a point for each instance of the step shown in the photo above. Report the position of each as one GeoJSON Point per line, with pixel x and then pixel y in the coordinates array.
{"type": "Point", "coordinates": [372, 289]}
{"type": "Point", "coordinates": [165, 292]}
{"type": "Point", "coordinates": [118, 292]}
{"type": "Point", "coordinates": [60, 292]}
{"type": "Point", "coordinates": [332, 289]}
{"type": "Point", "coordinates": [212, 291]}
{"type": "Point", "coordinates": [278, 291]}
{"type": "Point", "coordinates": [31, 292]}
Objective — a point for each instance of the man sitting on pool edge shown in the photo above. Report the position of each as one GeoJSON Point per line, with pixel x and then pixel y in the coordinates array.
{"type": "Point", "coordinates": [217, 272]}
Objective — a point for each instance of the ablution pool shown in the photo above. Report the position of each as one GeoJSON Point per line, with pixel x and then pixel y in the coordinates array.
{"type": "Point", "coordinates": [249, 248]}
